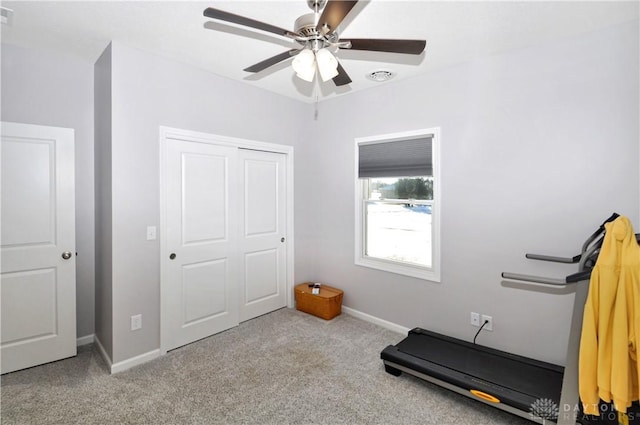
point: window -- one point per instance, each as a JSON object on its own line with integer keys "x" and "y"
{"x": 397, "y": 206}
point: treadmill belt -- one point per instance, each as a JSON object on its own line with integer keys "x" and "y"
{"x": 517, "y": 373}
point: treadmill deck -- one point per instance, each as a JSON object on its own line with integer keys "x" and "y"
{"x": 510, "y": 379}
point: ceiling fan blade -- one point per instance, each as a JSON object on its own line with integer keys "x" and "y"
{"x": 333, "y": 13}
{"x": 342, "y": 78}
{"x": 212, "y": 13}
{"x": 412, "y": 47}
{"x": 272, "y": 61}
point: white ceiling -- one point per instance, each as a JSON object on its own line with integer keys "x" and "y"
{"x": 455, "y": 31}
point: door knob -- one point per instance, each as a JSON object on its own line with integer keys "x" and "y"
{"x": 66, "y": 255}
{"x": 172, "y": 256}
{"x": 281, "y": 239}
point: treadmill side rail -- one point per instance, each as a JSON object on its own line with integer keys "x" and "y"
{"x": 535, "y": 279}
{"x": 566, "y": 260}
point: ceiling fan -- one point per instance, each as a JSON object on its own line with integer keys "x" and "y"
{"x": 316, "y": 33}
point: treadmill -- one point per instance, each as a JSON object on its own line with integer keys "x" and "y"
{"x": 542, "y": 392}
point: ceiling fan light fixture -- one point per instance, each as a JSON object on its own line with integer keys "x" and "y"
{"x": 304, "y": 64}
{"x": 307, "y": 75}
{"x": 327, "y": 64}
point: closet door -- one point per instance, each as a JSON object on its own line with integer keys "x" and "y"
{"x": 199, "y": 297}
{"x": 263, "y": 238}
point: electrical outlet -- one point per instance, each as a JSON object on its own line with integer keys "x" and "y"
{"x": 489, "y": 320}
{"x": 475, "y": 319}
{"x": 6, "y": 16}
{"x": 136, "y": 322}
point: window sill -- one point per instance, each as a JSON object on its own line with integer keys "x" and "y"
{"x": 397, "y": 268}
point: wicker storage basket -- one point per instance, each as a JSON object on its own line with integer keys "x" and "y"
{"x": 327, "y": 304}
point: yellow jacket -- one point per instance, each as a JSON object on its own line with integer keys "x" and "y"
{"x": 608, "y": 367}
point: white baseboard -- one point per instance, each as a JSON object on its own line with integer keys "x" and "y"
{"x": 102, "y": 351}
{"x": 135, "y": 361}
{"x": 125, "y": 364}
{"x": 375, "y": 320}
{"x": 154, "y": 354}
{"x": 84, "y": 340}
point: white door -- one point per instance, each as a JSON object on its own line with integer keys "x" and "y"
{"x": 263, "y": 233}
{"x": 37, "y": 285}
{"x": 201, "y": 264}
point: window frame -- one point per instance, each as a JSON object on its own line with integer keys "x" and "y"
{"x": 361, "y": 259}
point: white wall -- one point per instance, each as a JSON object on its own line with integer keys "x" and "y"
{"x": 103, "y": 202}
{"x": 149, "y": 92}
{"x": 539, "y": 146}
{"x": 48, "y": 89}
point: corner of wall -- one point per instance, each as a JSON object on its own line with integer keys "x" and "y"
{"x": 103, "y": 228}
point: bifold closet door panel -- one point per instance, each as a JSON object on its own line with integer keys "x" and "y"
{"x": 201, "y": 268}
{"x": 263, "y": 239}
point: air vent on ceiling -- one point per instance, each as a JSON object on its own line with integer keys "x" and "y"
{"x": 381, "y": 75}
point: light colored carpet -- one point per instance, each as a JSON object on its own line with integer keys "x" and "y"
{"x": 286, "y": 367}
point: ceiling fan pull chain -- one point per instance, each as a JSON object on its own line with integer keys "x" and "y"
{"x": 316, "y": 89}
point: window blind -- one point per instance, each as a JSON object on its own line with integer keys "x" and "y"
{"x": 401, "y": 158}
